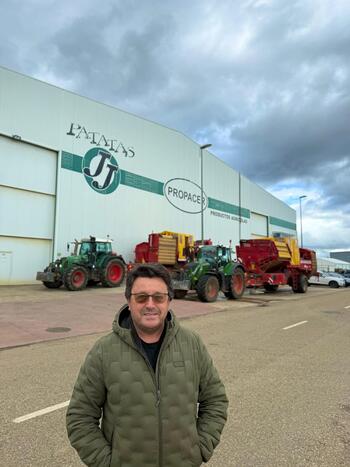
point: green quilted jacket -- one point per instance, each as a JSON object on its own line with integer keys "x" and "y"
{"x": 172, "y": 417}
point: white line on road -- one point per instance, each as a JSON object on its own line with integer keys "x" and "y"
{"x": 293, "y": 325}
{"x": 347, "y": 306}
{"x": 38, "y": 413}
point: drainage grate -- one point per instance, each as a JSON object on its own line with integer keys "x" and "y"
{"x": 58, "y": 329}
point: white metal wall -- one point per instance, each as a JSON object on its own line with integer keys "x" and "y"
{"x": 27, "y": 209}
{"x": 259, "y": 225}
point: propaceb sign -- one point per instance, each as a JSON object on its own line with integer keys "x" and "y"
{"x": 185, "y": 195}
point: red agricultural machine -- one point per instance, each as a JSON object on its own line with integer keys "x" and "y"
{"x": 270, "y": 262}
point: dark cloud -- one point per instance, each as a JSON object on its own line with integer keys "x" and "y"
{"x": 109, "y": 66}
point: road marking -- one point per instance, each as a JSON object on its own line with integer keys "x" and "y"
{"x": 293, "y": 325}
{"x": 38, "y": 413}
{"x": 347, "y": 306}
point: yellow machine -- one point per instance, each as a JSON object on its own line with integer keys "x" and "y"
{"x": 168, "y": 248}
{"x": 287, "y": 249}
{"x": 185, "y": 243}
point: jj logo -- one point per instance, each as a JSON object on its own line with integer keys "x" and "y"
{"x": 101, "y": 171}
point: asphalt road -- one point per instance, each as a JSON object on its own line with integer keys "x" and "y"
{"x": 288, "y": 388}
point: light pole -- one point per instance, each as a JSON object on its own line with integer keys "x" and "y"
{"x": 205, "y": 146}
{"x": 301, "y": 220}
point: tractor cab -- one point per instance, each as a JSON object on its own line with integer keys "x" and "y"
{"x": 224, "y": 255}
{"x": 215, "y": 255}
{"x": 91, "y": 246}
{"x": 207, "y": 254}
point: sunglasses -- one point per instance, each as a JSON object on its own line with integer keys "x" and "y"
{"x": 157, "y": 297}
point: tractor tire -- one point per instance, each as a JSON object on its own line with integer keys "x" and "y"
{"x": 270, "y": 287}
{"x": 53, "y": 285}
{"x": 237, "y": 284}
{"x": 333, "y": 284}
{"x": 180, "y": 294}
{"x": 208, "y": 288}
{"x": 76, "y": 279}
{"x": 302, "y": 284}
{"x": 113, "y": 274}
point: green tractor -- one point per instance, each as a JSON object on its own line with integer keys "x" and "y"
{"x": 213, "y": 270}
{"x": 92, "y": 262}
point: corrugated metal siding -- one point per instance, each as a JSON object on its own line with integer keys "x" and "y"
{"x": 259, "y": 225}
{"x": 27, "y": 209}
{"x": 21, "y": 258}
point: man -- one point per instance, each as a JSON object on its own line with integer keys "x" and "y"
{"x": 152, "y": 383}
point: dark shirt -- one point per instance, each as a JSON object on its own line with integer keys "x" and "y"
{"x": 152, "y": 350}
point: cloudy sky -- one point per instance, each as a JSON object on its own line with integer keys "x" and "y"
{"x": 267, "y": 82}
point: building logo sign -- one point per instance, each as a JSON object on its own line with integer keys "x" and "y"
{"x": 99, "y": 139}
{"x": 185, "y": 195}
{"x": 101, "y": 171}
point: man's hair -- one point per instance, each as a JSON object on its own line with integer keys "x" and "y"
{"x": 150, "y": 271}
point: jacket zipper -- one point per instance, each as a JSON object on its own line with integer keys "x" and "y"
{"x": 165, "y": 342}
{"x": 155, "y": 377}
{"x": 160, "y": 450}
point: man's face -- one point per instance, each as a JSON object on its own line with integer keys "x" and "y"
{"x": 148, "y": 317}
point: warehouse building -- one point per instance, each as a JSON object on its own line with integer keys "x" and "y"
{"x": 342, "y": 255}
{"x": 332, "y": 265}
{"x": 72, "y": 167}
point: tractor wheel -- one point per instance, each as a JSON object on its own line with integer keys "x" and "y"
{"x": 53, "y": 285}
{"x": 302, "y": 284}
{"x": 208, "y": 288}
{"x": 179, "y": 294}
{"x": 270, "y": 287}
{"x": 76, "y": 278}
{"x": 113, "y": 274}
{"x": 237, "y": 284}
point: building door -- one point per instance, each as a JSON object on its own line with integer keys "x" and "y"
{"x": 27, "y": 209}
{"x": 259, "y": 225}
